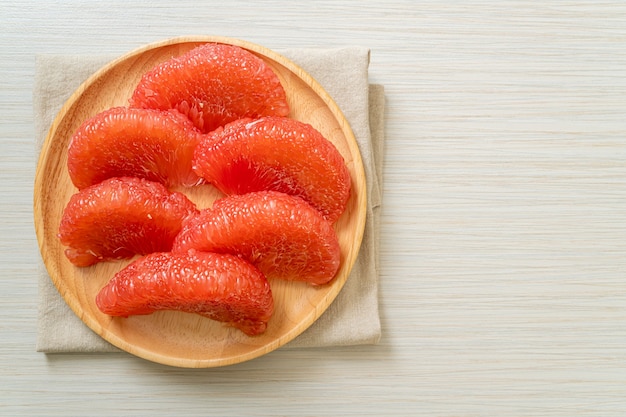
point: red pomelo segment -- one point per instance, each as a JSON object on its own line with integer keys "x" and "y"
{"x": 121, "y": 217}
{"x": 276, "y": 153}
{"x": 282, "y": 235}
{"x": 213, "y": 84}
{"x": 221, "y": 287}
{"x": 151, "y": 144}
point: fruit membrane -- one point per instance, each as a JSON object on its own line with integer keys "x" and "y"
{"x": 279, "y": 154}
{"x": 120, "y": 217}
{"x": 213, "y": 84}
{"x": 282, "y": 235}
{"x": 152, "y": 144}
{"x": 221, "y": 287}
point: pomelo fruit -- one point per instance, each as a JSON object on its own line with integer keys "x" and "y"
{"x": 282, "y": 235}
{"x": 120, "y": 217}
{"x": 213, "y": 84}
{"x": 146, "y": 143}
{"x": 279, "y": 154}
{"x": 221, "y": 287}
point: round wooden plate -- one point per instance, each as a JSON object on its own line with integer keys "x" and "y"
{"x": 169, "y": 337}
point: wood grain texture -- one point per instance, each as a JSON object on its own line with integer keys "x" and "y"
{"x": 503, "y": 219}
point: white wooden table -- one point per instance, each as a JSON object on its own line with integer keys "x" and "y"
{"x": 503, "y": 248}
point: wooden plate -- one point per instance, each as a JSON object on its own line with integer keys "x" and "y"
{"x": 175, "y": 338}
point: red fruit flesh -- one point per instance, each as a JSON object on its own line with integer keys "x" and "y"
{"x": 279, "y": 154}
{"x": 282, "y": 235}
{"x": 220, "y": 287}
{"x": 151, "y": 144}
{"x": 213, "y": 84}
{"x": 120, "y": 217}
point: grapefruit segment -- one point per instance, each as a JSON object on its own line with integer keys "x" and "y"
{"x": 281, "y": 234}
{"x": 279, "y": 154}
{"x": 120, "y": 217}
{"x": 151, "y": 144}
{"x": 221, "y": 287}
{"x": 213, "y": 84}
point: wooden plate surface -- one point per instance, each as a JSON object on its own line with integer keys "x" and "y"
{"x": 169, "y": 337}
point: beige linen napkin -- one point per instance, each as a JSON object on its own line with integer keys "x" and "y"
{"x": 353, "y": 318}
